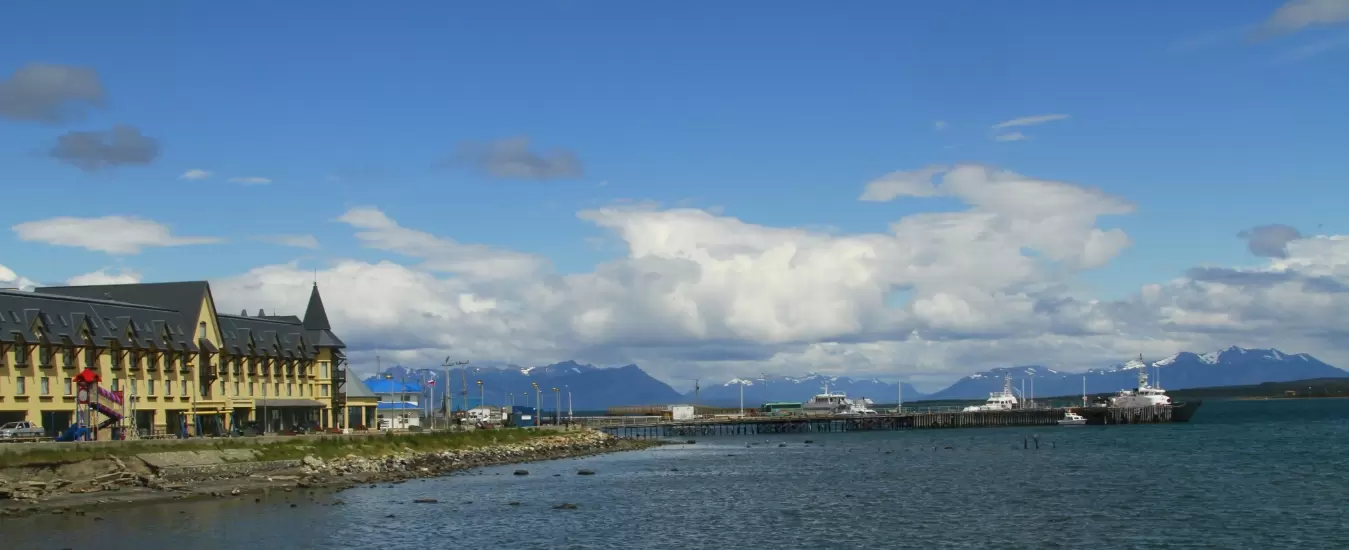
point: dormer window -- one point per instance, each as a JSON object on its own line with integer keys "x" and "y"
{"x": 44, "y": 356}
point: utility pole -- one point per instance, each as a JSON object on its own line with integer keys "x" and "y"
{"x": 445, "y": 397}
{"x": 557, "y": 407}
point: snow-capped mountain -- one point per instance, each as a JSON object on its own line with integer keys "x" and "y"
{"x": 797, "y": 390}
{"x": 1233, "y": 366}
{"x": 591, "y": 387}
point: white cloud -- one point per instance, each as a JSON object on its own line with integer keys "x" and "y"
{"x": 939, "y": 125}
{"x": 110, "y": 234}
{"x": 936, "y": 295}
{"x": 105, "y": 277}
{"x": 251, "y": 180}
{"x": 10, "y": 279}
{"x": 1028, "y": 121}
{"x": 1014, "y": 136}
{"x": 298, "y": 241}
{"x": 195, "y": 174}
{"x": 1297, "y": 15}
{"x": 698, "y": 290}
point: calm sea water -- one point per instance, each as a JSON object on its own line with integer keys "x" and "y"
{"x": 1241, "y": 475}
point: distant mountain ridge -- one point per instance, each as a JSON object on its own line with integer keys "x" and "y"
{"x": 590, "y": 387}
{"x": 1233, "y": 366}
{"x": 597, "y": 388}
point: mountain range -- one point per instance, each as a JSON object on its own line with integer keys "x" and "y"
{"x": 596, "y": 388}
{"x": 1233, "y": 366}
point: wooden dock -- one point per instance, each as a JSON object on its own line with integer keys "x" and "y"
{"x": 757, "y": 425}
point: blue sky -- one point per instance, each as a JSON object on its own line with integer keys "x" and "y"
{"x": 776, "y": 113}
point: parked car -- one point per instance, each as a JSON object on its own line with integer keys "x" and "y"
{"x": 21, "y": 429}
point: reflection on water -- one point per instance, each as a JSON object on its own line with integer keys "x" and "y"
{"x": 1243, "y": 475}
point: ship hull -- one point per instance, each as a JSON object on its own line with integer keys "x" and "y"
{"x": 1184, "y": 410}
{"x": 1179, "y": 412}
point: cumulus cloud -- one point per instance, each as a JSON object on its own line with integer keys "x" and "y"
{"x": 110, "y": 234}
{"x": 97, "y": 150}
{"x": 698, "y": 293}
{"x": 512, "y": 158}
{"x": 1028, "y": 121}
{"x": 105, "y": 277}
{"x": 1270, "y": 241}
{"x": 195, "y": 174}
{"x": 298, "y": 241}
{"x": 47, "y": 93}
{"x": 697, "y": 290}
{"x": 1297, "y": 15}
{"x": 11, "y": 280}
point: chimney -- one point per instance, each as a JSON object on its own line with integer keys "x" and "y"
{"x": 260, "y": 313}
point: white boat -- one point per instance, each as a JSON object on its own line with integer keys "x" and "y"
{"x": 830, "y": 403}
{"x": 1071, "y": 418}
{"x": 1143, "y": 396}
{"x": 1004, "y": 400}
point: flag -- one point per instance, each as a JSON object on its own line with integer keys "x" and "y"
{"x": 432, "y": 382}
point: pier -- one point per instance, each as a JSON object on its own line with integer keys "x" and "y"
{"x": 651, "y": 427}
{"x": 757, "y": 425}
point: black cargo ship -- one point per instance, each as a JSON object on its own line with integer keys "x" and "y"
{"x": 1160, "y": 414}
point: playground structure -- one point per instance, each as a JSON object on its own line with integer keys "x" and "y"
{"x": 90, "y": 397}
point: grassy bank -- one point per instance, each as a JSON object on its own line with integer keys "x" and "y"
{"x": 292, "y": 448}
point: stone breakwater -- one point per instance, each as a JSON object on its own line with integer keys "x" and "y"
{"x": 421, "y": 464}
{"x": 157, "y": 477}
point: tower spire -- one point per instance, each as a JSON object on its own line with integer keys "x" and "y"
{"x": 315, "y": 316}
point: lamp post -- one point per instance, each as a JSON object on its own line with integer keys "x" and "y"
{"x": 538, "y": 396}
{"x": 389, "y": 377}
{"x": 482, "y": 395}
{"x": 569, "y": 416}
{"x": 557, "y": 407}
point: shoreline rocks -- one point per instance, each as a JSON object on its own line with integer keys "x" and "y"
{"x": 116, "y": 483}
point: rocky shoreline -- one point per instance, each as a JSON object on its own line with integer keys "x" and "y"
{"x": 114, "y": 482}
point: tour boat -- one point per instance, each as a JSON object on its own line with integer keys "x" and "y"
{"x": 1004, "y": 400}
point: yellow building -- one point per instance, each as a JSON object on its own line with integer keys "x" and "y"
{"x": 179, "y": 366}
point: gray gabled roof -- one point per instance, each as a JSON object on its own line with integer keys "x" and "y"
{"x": 183, "y": 297}
{"x": 265, "y": 331}
{"x": 356, "y": 388}
{"x": 66, "y": 316}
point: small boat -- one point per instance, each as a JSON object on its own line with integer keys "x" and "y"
{"x": 1071, "y": 418}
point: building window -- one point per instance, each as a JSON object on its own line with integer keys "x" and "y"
{"x": 168, "y": 388}
{"x": 90, "y": 357}
{"x": 20, "y": 386}
{"x": 150, "y": 388}
{"x": 201, "y": 330}
{"x": 250, "y": 388}
{"x": 223, "y": 390}
{"x": 277, "y": 389}
{"x": 323, "y": 370}
{"x": 46, "y": 385}
{"x": 236, "y": 388}
{"x": 69, "y": 390}
{"x": 20, "y": 355}
{"x": 323, "y": 390}
{"x": 264, "y": 389}
{"x": 290, "y": 390}
{"x": 116, "y": 384}
{"x": 44, "y": 356}
{"x": 68, "y": 357}
{"x": 186, "y": 393}
{"x": 115, "y": 356}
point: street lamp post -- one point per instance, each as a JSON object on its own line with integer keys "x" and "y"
{"x": 482, "y": 395}
{"x": 557, "y": 407}
{"x": 569, "y": 415}
{"x": 538, "y": 396}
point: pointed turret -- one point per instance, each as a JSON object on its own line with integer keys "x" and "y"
{"x": 315, "y": 317}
